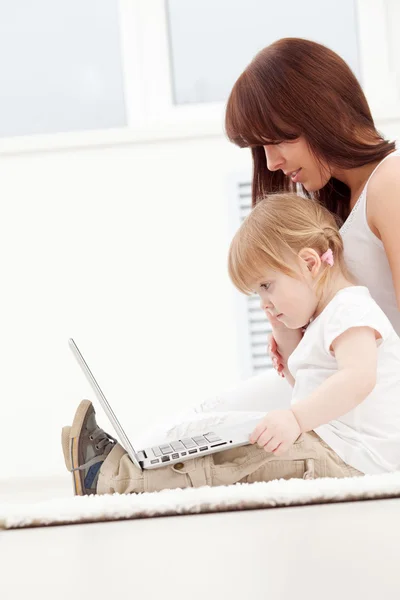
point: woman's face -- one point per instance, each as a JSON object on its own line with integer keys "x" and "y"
{"x": 298, "y": 163}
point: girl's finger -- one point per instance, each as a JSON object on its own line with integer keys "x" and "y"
{"x": 264, "y": 439}
{"x": 272, "y": 445}
{"x": 256, "y": 433}
{"x": 276, "y": 355}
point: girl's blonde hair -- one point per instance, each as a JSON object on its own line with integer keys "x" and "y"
{"x": 281, "y": 225}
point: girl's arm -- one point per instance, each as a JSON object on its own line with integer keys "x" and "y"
{"x": 286, "y": 341}
{"x": 356, "y": 354}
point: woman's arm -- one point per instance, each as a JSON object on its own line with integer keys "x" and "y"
{"x": 356, "y": 354}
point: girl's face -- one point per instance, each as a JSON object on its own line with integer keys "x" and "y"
{"x": 298, "y": 163}
{"x": 292, "y": 301}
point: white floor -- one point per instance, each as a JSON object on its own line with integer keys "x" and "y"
{"x": 23, "y": 490}
{"x": 330, "y": 552}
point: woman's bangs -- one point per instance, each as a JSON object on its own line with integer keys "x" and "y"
{"x": 249, "y": 123}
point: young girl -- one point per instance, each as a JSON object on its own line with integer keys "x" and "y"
{"x": 345, "y": 370}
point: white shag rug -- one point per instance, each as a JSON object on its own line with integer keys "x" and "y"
{"x": 273, "y": 494}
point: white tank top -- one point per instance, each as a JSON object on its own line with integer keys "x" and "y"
{"x": 366, "y": 258}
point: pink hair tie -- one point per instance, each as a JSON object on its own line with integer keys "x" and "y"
{"x": 328, "y": 257}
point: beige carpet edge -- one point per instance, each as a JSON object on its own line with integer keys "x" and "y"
{"x": 273, "y": 494}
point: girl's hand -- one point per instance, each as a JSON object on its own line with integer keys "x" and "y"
{"x": 284, "y": 338}
{"x": 275, "y": 356}
{"x": 277, "y": 360}
{"x": 277, "y": 431}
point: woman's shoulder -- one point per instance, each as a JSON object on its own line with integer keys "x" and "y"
{"x": 384, "y": 189}
{"x": 386, "y": 175}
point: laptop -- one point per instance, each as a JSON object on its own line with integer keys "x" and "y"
{"x": 169, "y": 453}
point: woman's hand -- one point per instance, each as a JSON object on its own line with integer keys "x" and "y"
{"x": 277, "y": 431}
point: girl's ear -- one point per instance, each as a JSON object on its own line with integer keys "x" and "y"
{"x": 311, "y": 260}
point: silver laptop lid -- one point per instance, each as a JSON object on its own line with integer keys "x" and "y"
{"x": 104, "y": 403}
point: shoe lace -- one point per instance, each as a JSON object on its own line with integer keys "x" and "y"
{"x": 104, "y": 442}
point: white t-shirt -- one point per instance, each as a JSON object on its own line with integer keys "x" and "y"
{"x": 367, "y": 437}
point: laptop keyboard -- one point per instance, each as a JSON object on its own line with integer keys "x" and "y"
{"x": 185, "y": 446}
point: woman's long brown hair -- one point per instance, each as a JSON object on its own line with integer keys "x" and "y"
{"x": 298, "y": 87}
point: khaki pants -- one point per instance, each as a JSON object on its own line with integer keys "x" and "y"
{"x": 309, "y": 457}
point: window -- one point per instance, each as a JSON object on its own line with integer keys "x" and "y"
{"x": 252, "y": 325}
{"x": 60, "y": 66}
{"x": 212, "y": 42}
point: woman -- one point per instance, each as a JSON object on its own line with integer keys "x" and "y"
{"x": 303, "y": 114}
